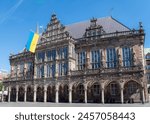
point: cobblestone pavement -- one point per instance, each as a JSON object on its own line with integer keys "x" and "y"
{"x": 38, "y": 104}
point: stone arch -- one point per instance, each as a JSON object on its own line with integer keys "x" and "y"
{"x": 61, "y": 97}
{"x": 112, "y": 92}
{"x": 64, "y": 93}
{"x": 94, "y": 93}
{"x": 40, "y": 94}
{"x": 132, "y": 92}
{"x": 13, "y": 94}
{"x": 78, "y": 93}
{"x": 53, "y": 93}
{"x": 21, "y": 92}
{"x": 49, "y": 93}
{"x": 133, "y": 81}
{"x": 30, "y": 93}
{"x": 106, "y": 83}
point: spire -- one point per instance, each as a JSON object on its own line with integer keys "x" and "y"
{"x": 140, "y": 25}
{"x": 37, "y": 28}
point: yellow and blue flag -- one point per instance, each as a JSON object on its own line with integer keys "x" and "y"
{"x": 32, "y": 42}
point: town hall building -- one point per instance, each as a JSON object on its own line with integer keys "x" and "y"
{"x": 95, "y": 61}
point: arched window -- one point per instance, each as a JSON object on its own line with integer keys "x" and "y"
{"x": 127, "y": 57}
{"x": 81, "y": 89}
{"x": 96, "y": 89}
{"x": 81, "y": 60}
{"x": 113, "y": 89}
{"x": 48, "y": 70}
{"x": 95, "y": 54}
{"x": 111, "y": 58}
{"x": 49, "y": 55}
{"x": 132, "y": 87}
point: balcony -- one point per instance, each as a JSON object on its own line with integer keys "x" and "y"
{"x": 21, "y": 77}
{"x": 106, "y": 70}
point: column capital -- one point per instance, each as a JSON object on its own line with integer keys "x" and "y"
{"x": 85, "y": 86}
{"x": 25, "y": 88}
{"x": 45, "y": 88}
{"x": 57, "y": 86}
{"x": 35, "y": 88}
{"x": 17, "y": 88}
{"x": 102, "y": 86}
{"x": 121, "y": 85}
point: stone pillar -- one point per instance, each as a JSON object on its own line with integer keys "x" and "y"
{"x": 134, "y": 61}
{"x": 2, "y": 98}
{"x": 103, "y": 61}
{"x": 45, "y": 70}
{"x": 57, "y": 64}
{"x": 143, "y": 95}
{"x": 45, "y": 93}
{"x": 35, "y": 71}
{"x": 122, "y": 97}
{"x": 69, "y": 56}
{"x": 57, "y": 94}
{"x": 17, "y": 90}
{"x": 69, "y": 67}
{"x": 103, "y": 96}
{"x": 121, "y": 92}
{"x": 120, "y": 58}
{"x": 85, "y": 93}
{"x": 9, "y": 92}
{"x": 88, "y": 66}
{"x": 25, "y": 93}
{"x": 34, "y": 100}
{"x": 70, "y": 94}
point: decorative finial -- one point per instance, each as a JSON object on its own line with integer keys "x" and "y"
{"x": 140, "y": 25}
{"x": 93, "y": 21}
{"x": 53, "y": 17}
{"x": 37, "y": 28}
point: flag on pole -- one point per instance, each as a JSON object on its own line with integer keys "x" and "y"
{"x": 32, "y": 42}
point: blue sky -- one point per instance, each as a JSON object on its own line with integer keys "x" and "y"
{"x": 18, "y": 17}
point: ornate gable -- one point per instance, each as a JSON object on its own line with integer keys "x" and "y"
{"x": 55, "y": 31}
{"x": 94, "y": 29}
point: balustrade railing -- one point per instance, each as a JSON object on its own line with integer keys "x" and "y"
{"x": 114, "y": 34}
{"x": 106, "y": 70}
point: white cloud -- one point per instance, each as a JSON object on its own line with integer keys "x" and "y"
{"x": 7, "y": 14}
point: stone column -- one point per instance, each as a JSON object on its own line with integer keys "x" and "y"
{"x": 57, "y": 94}
{"x": 57, "y": 64}
{"x": 103, "y": 61}
{"x": 69, "y": 67}
{"x": 88, "y": 58}
{"x": 34, "y": 100}
{"x": 17, "y": 90}
{"x": 143, "y": 95}
{"x": 25, "y": 93}
{"x": 35, "y": 71}
{"x": 45, "y": 70}
{"x": 120, "y": 58}
{"x": 121, "y": 92}
{"x": 103, "y": 96}
{"x": 45, "y": 93}
{"x": 69, "y": 56}
{"x": 2, "y": 98}
{"x": 70, "y": 94}
{"x": 85, "y": 93}
{"x": 134, "y": 61}
{"x": 9, "y": 92}
{"x": 122, "y": 97}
